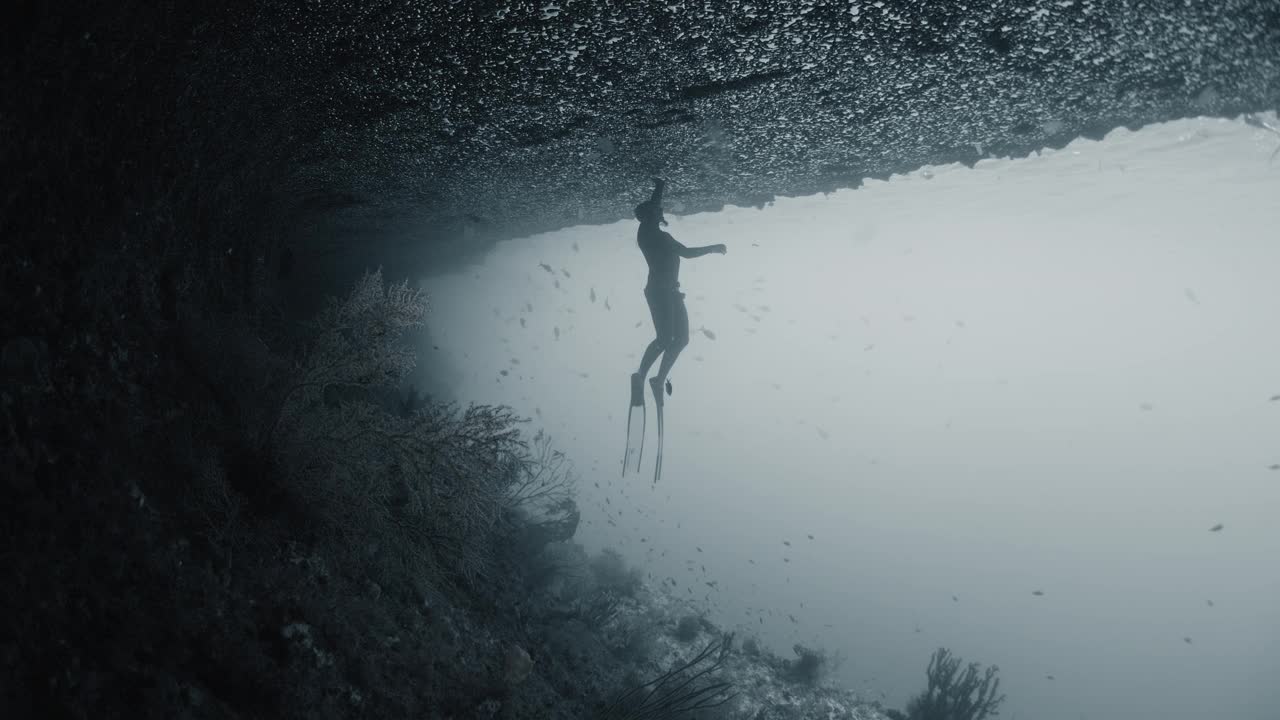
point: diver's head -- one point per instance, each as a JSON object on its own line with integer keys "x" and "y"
{"x": 650, "y": 212}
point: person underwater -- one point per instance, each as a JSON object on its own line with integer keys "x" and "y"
{"x": 670, "y": 320}
{"x": 662, "y": 291}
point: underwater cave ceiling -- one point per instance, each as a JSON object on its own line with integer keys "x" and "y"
{"x": 497, "y": 119}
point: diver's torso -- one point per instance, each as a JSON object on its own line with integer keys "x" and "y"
{"x": 659, "y": 250}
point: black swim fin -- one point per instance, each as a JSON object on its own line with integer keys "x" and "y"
{"x": 635, "y": 427}
{"x": 657, "y": 464}
{"x": 657, "y": 396}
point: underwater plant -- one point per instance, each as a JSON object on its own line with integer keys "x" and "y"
{"x": 956, "y": 695}
{"x": 683, "y": 689}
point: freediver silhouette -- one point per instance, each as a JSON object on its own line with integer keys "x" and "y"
{"x": 662, "y": 253}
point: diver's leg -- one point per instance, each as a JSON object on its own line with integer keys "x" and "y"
{"x": 637, "y": 378}
{"x": 660, "y": 310}
{"x": 679, "y": 336}
{"x": 651, "y": 354}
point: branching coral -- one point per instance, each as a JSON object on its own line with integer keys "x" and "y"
{"x": 432, "y": 485}
{"x": 956, "y": 695}
{"x": 683, "y": 689}
{"x": 543, "y": 478}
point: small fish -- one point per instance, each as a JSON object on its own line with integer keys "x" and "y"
{"x": 668, "y": 387}
{"x": 955, "y": 599}
{"x": 557, "y": 332}
{"x": 1210, "y": 602}
{"x": 787, "y": 543}
{"x": 793, "y": 619}
{"x": 1274, "y": 398}
{"x": 710, "y": 335}
{"x": 695, "y": 547}
{"x": 1048, "y": 677}
{"x": 644, "y": 539}
{"x": 1191, "y": 295}
{"x": 786, "y": 560}
{"x": 593, "y": 295}
{"x": 557, "y": 284}
{"x": 823, "y": 434}
{"x": 1146, "y": 406}
{"x": 522, "y": 323}
{"x": 1038, "y": 593}
{"x": 1274, "y": 466}
{"x": 753, "y": 562}
{"x": 869, "y": 347}
{"x": 810, "y": 537}
{"x": 606, "y": 304}
{"x": 546, "y": 267}
{"x": 528, "y": 306}
{"x": 1186, "y": 640}
{"x": 503, "y": 373}
{"x": 637, "y": 324}
{"x": 575, "y": 247}
{"x": 1216, "y": 528}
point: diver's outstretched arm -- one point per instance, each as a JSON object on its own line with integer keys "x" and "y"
{"x": 693, "y": 252}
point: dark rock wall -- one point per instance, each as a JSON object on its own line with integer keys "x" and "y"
{"x": 488, "y": 119}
